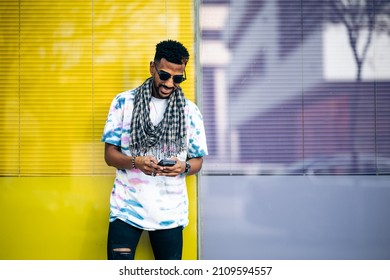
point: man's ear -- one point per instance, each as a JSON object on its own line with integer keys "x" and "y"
{"x": 151, "y": 68}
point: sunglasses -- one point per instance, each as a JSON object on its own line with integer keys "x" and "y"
{"x": 177, "y": 79}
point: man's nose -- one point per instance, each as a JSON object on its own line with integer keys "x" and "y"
{"x": 170, "y": 82}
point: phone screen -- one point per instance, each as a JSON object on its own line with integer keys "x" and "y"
{"x": 167, "y": 162}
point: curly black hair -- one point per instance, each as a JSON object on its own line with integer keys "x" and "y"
{"x": 172, "y": 51}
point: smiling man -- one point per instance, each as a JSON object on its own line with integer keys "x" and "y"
{"x": 154, "y": 137}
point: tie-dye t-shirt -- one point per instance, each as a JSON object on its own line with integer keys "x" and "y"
{"x": 144, "y": 201}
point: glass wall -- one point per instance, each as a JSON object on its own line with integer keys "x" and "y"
{"x": 296, "y": 101}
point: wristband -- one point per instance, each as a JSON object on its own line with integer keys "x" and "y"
{"x": 188, "y": 168}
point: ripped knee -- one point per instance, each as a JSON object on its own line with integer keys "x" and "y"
{"x": 122, "y": 253}
{"x": 122, "y": 250}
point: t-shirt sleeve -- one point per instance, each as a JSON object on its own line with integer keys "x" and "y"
{"x": 114, "y": 123}
{"x": 197, "y": 146}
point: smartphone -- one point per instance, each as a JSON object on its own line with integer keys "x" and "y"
{"x": 167, "y": 162}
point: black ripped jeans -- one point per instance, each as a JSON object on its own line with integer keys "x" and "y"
{"x": 123, "y": 239}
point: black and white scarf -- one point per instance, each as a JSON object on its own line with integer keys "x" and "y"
{"x": 164, "y": 140}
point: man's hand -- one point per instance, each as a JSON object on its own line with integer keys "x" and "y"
{"x": 148, "y": 165}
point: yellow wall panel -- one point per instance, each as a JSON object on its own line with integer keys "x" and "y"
{"x": 62, "y": 62}
{"x": 65, "y": 218}
{"x": 9, "y": 89}
{"x": 55, "y": 87}
{"x": 54, "y": 217}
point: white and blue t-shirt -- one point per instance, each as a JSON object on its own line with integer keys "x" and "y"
{"x": 144, "y": 201}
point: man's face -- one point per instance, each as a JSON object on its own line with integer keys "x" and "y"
{"x": 163, "y": 88}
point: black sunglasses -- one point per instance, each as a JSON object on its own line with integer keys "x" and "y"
{"x": 177, "y": 79}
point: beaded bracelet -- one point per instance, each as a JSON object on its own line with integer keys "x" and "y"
{"x": 133, "y": 162}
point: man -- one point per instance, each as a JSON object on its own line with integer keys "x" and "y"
{"x": 150, "y": 123}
